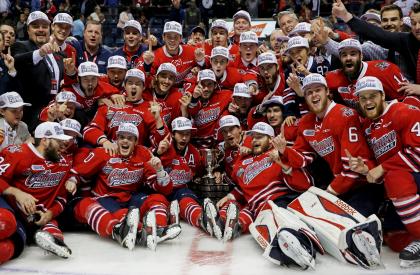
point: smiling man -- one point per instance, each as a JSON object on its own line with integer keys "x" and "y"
{"x": 61, "y": 29}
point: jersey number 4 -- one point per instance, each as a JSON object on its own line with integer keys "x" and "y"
{"x": 416, "y": 129}
{"x": 3, "y": 167}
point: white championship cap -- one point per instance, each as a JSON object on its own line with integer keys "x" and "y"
{"x": 51, "y": 130}
{"x": 228, "y": 120}
{"x": 407, "y": 21}
{"x": 206, "y": 74}
{"x": 63, "y": 18}
{"x": 72, "y": 125}
{"x": 267, "y": 58}
{"x": 167, "y": 67}
{"x": 312, "y": 79}
{"x": 241, "y": 90}
{"x": 133, "y": 24}
{"x": 37, "y": 15}
{"x": 135, "y": 73}
{"x": 301, "y": 27}
{"x": 67, "y": 96}
{"x": 349, "y": 43}
{"x": 242, "y": 14}
{"x": 368, "y": 83}
{"x": 12, "y": 100}
{"x": 220, "y": 51}
{"x": 274, "y": 100}
{"x": 219, "y": 23}
{"x": 296, "y": 42}
{"x": 248, "y": 37}
{"x": 262, "y": 128}
{"x": 128, "y": 128}
{"x": 172, "y": 26}
{"x": 88, "y": 68}
{"x": 181, "y": 124}
{"x": 371, "y": 16}
{"x": 117, "y": 61}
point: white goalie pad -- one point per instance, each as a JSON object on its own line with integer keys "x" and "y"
{"x": 344, "y": 232}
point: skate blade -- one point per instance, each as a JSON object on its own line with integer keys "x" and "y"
{"x": 133, "y": 218}
{"x": 291, "y": 246}
{"x": 409, "y": 264}
{"x": 171, "y": 233}
{"x": 174, "y": 212}
{"x": 211, "y": 214}
{"x": 46, "y": 241}
{"x": 365, "y": 243}
{"x": 151, "y": 239}
{"x": 231, "y": 215}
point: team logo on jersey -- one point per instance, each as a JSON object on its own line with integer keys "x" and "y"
{"x": 384, "y": 144}
{"x": 122, "y": 117}
{"x": 255, "y": 169}
{"x": 323, "y": 147}
{"x": 344, "y": 90}
{"x": 204, "y": 117}
{"x": 44, "y": 179}
{"x": 179, "y": 177}
{"x": 382, "y": 65}
{"x": 119, "y": 177}
{"x": 348, "y": 112}
{"x": 37, "y": 168}
{"x": 309, "y": 133}
{"x": 107, "y": 169}
{"x": 14, "y": 148}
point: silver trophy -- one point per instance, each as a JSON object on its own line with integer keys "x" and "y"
{"x": 210, "y": 162}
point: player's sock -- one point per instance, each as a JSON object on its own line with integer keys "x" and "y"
{"x": 190, "y": 211}
{"x": 161, "y": 212}
{"x": 7, "y": 248}
{"x": 53, "y": 229}
{"x": 7, "y": 223}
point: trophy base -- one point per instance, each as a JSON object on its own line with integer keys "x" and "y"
{"x": 206, "y": 187}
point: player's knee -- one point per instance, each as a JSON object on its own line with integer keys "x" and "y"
{"x": 7, "y": 249}
{"x": 82, "y": 208}
{"x": 7, "y": 223}
{"x": 157, "y": 199}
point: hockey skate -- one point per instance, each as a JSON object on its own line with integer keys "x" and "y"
{"x": 174, "y": 212}
{"x": 125, "y": 232}
{"x": 410, "y": 256}
{"x": 210, "y": 220}
{"x": 50, "y": 243}
{"x": 232, "y": 225}
{"x": 148, "y": 236}
{"x": 168, "y": 233}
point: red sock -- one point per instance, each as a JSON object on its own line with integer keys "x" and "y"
{"x": 52, "y": 228}
{"x": 397, "y": 240}
{"x": 190, "y": 211}
{"x": 7, "y": 248}
{"x": 158, "y": 203}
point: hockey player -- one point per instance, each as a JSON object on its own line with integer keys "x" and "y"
{"x": 115, "y": 71}
{"x": 241, "y": 103}
{"x": 145, "y": 115}
{"x": 246, "y": 59}
{"x": 118, "y": 196}
{"x": 393, "y": 133}
{"x": 241, "y": 23}
{"x": 61, "y": 27}
{"x": 327, "y": 131}
{"x": 259, "y": 177}
{"x": 32, "y": 181}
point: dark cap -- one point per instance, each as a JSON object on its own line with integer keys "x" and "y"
{"x": 198, "y": 29}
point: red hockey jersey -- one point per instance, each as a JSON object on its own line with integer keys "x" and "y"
{"x": 171, "y": 108}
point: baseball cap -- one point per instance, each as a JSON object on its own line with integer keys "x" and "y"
{"x": 64, "y": 18}
{"x": 172, "y": 26}
{"x": 167, "y": 67}
{"x": 241, "y": 90}
{"x": 72, "y": 125}
{"x": 262, "y": 128}
{"x": 12, "y": 100}
{"x": 219, "y": 23}
{"x": 248, "y": 37}
{"x": 371, "y": 16}
{"x": 349, "y": 43}
{"x": 301, "y": 27}
{"x": 181, "y": 124}
{"x": 274, "y": 100}
{"x": 312, "y": 79}
{"x": 51, "y": 130}
{"x": 242, "y": 14}
{"x": 128, "y": 128}
{"x": 88, "y": 68}
{"x": 37, "y": 15}
{"x": 117, "y": 61}
{"x": 407, "y": 21}
{"x": 206, "y": 74}
{"x": 220, "y": 51}
{"x": 296, "y": 42}
{"x": 198, "y": 29}
{"x": 64, "y": 96}
{"x": 368, "y": 83}
{"x": 267, "y": 58}
{"x": 228, "y": 120}
{"x": 135, "y": 73}
{"x": 134, "y": 24}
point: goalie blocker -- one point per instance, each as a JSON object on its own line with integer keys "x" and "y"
{"x": 344, "y": 233}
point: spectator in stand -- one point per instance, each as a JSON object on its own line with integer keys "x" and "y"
{"x": 125, "y": 16}
{"x": 7, "y": 69}
{"x": 112, "y": 6}
{"x": 198, "y": 35}
{"x": 192, "y": 16}
{"x": 176, "y": 12}
{"x": 9, "y": 35}
{"x": 97, "y": 15}
{"x": 78, "y": 26}
{"x": 405, "y": 5}
{"x": 21, "y": 28}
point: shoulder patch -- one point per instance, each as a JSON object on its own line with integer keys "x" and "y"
{"x": 348, "y": 112}
{"x": 37, "y": 167}
{"x": 115, "y": 160}
{"x": 14, "y": 148}
{"x": 382, "y": 65}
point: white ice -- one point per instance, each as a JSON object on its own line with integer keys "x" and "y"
{"x": 193, "y": 252}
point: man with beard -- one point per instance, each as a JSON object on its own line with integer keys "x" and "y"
{"x": 61, "y": 29}
{"x": 39, "y": 67}
{"x": 89, "y": 91}
{"x": 118, "y": 197}
{"x": 392, "y": 130}
{"x": 207, "y": 106}
{"x": 258, "y": 178}
{"x": 145, "y": 115}
{"x": 115, "y": 71}
{"x": 32, "y": 183}
{"x": 271, "y": 76}
{"x": 342, "y": 82}
{"x": 241, "y": 103}
{"x": 9, "y": 36}
{"x": 326, "y": 131}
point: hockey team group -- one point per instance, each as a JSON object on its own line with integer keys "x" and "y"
{"x": 317, "y": 138}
